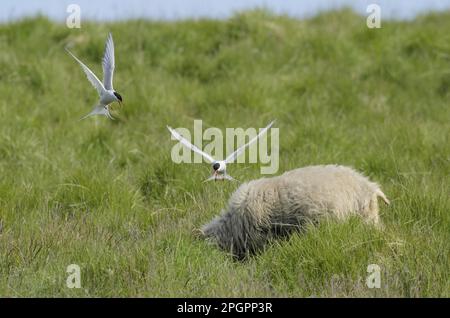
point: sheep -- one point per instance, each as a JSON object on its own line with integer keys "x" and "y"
{"x": 274, "y": 207}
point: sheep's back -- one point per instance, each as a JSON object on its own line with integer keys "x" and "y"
{"x": 313, "y": 191}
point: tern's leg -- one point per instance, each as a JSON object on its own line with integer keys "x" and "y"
{"x": 108, "y": 113}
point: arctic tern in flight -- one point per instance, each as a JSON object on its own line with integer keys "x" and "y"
{"x": 105, "y": 90}
{"x": 219, "y": 166}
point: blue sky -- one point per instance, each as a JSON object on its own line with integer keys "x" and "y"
{"x": 181, "y": 9}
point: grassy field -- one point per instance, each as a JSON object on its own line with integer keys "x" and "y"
{"x": 105, "y": 194}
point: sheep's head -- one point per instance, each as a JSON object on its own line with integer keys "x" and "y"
{"x": 232, "y": 233}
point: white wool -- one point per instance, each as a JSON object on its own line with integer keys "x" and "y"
{"x": 272, "y": 207}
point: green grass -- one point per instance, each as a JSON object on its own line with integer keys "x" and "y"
{"x": 106, "y": 196}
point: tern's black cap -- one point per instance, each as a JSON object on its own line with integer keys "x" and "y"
{"x": 216, "y": 166}
{"x": 118, "y": 96}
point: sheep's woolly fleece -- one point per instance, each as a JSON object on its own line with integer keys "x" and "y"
{"x": 273, "y": 207}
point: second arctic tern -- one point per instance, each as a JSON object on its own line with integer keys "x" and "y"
{"x": 105, "y": 90}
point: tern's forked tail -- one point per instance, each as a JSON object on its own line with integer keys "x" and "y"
{"x": 220, "y": 177}
{"x": 99, "y": 110}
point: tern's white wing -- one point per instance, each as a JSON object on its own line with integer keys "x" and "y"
{"x": 189, "y": 145}
{"x": 235, "y": 154}
{"x": 90, "y": 75}
{"x": 108, "y": 63}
